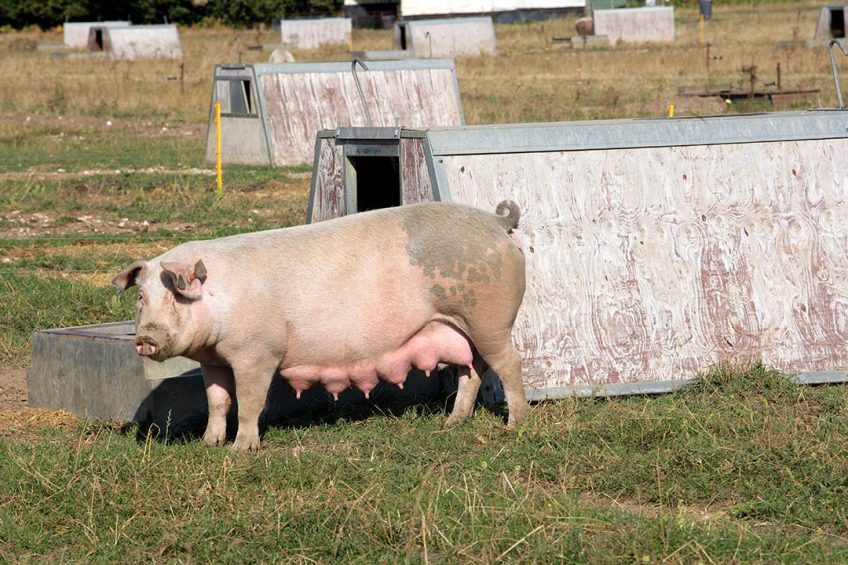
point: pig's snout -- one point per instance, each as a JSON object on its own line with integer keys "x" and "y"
{"x": 146, "y": 346}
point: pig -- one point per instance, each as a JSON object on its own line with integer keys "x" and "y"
{"x": 339, "y": 304}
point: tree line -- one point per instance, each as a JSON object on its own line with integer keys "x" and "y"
{"x": 244, "y": 13}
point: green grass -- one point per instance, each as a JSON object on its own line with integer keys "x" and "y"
{"x": 700, "y": 475}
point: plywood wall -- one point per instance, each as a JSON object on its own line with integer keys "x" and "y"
{"x": 312, "y": 33}
{"x": 298, "y": 105}
{"x": 635, "y": 25}
{"x": 651, "y": 264}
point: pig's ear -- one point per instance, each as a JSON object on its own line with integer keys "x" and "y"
{"x": 126, "y": 278}
{"x": 186, "y": 278}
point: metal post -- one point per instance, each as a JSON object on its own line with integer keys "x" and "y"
{"x": 835, "y": 73}
{"x": 220, "y": 178}
{"x": 353, "y": 64}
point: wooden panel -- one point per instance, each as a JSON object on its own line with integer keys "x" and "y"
{"x": 468, "y": 37}
{"x": 414, "y": 176}
{"x": 329, "y": 199}
{"x": 635, "y": 24}
{"x": 298, "y": 105}
{"x": 651, "y": 264}
{"x": 312, "y": 33}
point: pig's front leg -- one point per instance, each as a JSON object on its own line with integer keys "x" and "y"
{"x": 252, "y": 383}
{"x": 219, "y": 392}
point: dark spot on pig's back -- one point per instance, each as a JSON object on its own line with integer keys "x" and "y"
{"x": 459, "y": 244}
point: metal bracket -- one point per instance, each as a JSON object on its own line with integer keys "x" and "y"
{"x": 833, "y": 65}
{"x": 359, "y": 87}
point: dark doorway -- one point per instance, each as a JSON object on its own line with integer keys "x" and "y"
{"x": 98, "y": 39}
{"x": 837, "y": 22}
{"x": 377, "y": 182}
{"x": 241, "y": 103}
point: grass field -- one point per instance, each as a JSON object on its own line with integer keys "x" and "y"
{"x": 101, "y": 162}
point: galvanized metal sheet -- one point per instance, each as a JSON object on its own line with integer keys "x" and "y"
{"x": 635, "y": 25}
{"x": 623, "y": 134}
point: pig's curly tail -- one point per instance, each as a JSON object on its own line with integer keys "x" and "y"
{"x": 510, "y": 220}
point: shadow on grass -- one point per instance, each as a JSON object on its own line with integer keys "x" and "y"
{"x": 317, "y": 408}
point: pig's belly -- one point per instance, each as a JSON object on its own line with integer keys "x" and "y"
{"x": 435, "y": 343}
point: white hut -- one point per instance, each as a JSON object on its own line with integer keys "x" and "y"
{"x": 270, "y": 113}
{"x": 446, "y": 37}
{"x": 75, "y": 34}
{"x": 137, "y": 42}
{"x": 635, "y": 25}
{"x": 831, "y": 23}
{"x": 312, "y": 33}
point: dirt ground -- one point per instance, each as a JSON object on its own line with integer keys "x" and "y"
{"x": 13, "y": 389}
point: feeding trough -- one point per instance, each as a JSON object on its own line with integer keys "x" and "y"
{"x": 635, "y": 25}
{"x": 270, "y": 113}
{"x": 654, "y": 248}
{"x": 315, "y": 32}
{"x": 446, "y": 37}
{"x": 95, "y": 373}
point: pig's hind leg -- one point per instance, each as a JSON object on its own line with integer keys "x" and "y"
{"x": 219, "y": 391}
{"x": 466, "y": 394}
{"x": 505, "y": 361}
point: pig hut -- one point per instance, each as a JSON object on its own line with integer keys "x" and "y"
{"x": 270, "y": 113}
{"x": 75, "y": 34}
{"x": 635, "y": 25}
{"x": 654, "y": 247}
{"x": 450, "y": 37}
{"x": 136, "y": 42}
{"x": 831, "y": 23}
{"x": 312, "y": 33}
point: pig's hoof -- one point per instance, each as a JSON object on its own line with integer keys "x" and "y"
{"x": 244, "y": 443}
{"x": 517, "y": 417}
{"x": 214, "y": 439}
{"x": 455, "y": 419}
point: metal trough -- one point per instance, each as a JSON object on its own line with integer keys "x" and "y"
{"x": 94, "y": 373}
{"x": 654, "y": 248}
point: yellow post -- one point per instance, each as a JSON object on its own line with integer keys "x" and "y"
{"x": 671, "y": 110}
{"x": 701, "y": 30}
{"x": 220, "y": 190}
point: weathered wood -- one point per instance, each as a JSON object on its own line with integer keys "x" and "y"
{"x": 414, "y": 176}
{"x": 298, "y": 105}
{"x": 635, "y": 25}
{"x": 448, "y": 37}
{"x": 650, "y": 264}
{"x": 315, "y": 32}
{"x": 329, "y": 202}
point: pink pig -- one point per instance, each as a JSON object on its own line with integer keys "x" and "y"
{"x": 340, "y": 303}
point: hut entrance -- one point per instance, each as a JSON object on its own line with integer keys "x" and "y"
{"x": 377, "y": 182}
{"x": 837, "y": 22}
{"x": 98, "y": 39}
